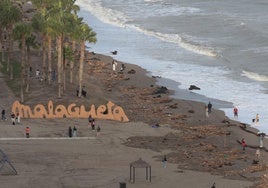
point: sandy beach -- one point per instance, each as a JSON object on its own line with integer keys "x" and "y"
{"x": 94, "y": 162}
{"x": 200, "y": 150}
{"x": 188, "y": 138}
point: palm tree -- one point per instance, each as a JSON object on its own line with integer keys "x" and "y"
{"x": 9, "y": 15}
{"x": 40, "y": 25}
{"x": 61, "y": 20}
{"x": 74, "y": 35}
{"x": 1, "y": 32}
{"x": 21, "y": 32}
{"x": 30, "y": 43}
{"x": 67, "y": 56}
{"x": 86, "y": 34}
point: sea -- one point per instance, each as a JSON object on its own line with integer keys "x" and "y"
{"x": 219, "y": 46}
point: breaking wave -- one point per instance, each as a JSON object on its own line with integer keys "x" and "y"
{"x": 119, "y": 19}
{"x": 255, "y": 76}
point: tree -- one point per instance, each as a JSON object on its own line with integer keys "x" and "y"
{"x": 9, "y": 15}
{"x": 74, "y": 36}
{"x": 41, "y": 24}
{"x": 21, "y": 32}
{"x": 61, "y": 19}
{"x": 30, "y": 43}
{"x": 86, "y": 35}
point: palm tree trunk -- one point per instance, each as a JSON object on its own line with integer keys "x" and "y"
{"x": 64, "y": 67}
{"x": 44, "y": 55}
{"x": 49, "y": 59}
{"x": 72, "y": 62}
{"x": 28, "y": 69}
{"x": 10, "y": 64}
{"x": 22, "y": 73}
{"x": 81, "y": 66}
{"x": 1, "y": 47}
{"x": 59, "y": 64}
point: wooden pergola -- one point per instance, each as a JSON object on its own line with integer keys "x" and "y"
{"x": 139, "y": 164}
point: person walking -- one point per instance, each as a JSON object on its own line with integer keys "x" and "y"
{"x": 27, "y": 132}
{"x": 235, "y": 112}
{"x": 4, "y": 115}
{"x": 209, "y": 107}
{"x": 261, "y": 137}
{"x": 243, "y": 143}
{"x": 18, "y": 118}
{"x": 93, "y": 124}
{"x": 206, "y": 111}
{"x": 114, "y": 65}
{"x": 258, "y": 154}
{"x": 70, "y": 132}
{"x": 13, "y": 121}
{"x": 74, "y": 132}
{"x": 214, "y": 185}
{"x": 98, "y": 131}
{"x": 164, "y": 161}
{"x": 257, "y": 119}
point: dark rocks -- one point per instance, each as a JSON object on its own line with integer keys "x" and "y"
{"x": 161, "y": 90}
{"x": 193, "y": 87}
{"x": 132, "y": 71}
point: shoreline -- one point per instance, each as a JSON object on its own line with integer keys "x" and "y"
{"x": 200, "y": 150}
{"x": 126, "y": 52}
{"x": 136, "y": 87}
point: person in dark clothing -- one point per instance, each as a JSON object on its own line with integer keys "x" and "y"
{"x": 93, "y": 124}
{"x": 98, "y": 130}
{"x": 214, "y": 185}
{"x": 70, "y": 132}
{"x": 4, "y": 115}
{"x": 90, "y": 118}
{"x": 209, "y": 107}
{"x": 122, "y": 67}
{"x": 13, "y": 118}
{"x": 164, "y": 162}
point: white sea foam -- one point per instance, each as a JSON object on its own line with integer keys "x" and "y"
{"x": 144, "y": 49}
{"x": 255, "y": 76}
{"x": 117, "y": 18}
{"x": 106, "y": 15}
{"x": 257, "y": 50}
{"x": 170, "y": 10}
{"x": 188, "y": 45}
{"x": 215, "y": 84}
{"x": 152, "y": 1}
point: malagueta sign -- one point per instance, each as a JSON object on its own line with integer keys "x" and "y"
{"x": 109, "y": 111}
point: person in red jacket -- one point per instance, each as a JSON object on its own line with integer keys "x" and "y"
{"x": 27, "y": 131}
{"x": 243, "y": 143}
{"x": 235, "y": 112}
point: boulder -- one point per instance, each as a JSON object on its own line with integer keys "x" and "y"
{"x": 193, "y": 87}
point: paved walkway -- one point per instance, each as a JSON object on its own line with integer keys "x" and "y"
{"x": 49, "y": 138}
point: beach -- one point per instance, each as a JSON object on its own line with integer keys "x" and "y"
{"x": 200, "y": 149}
{"x": 217, "y": 46}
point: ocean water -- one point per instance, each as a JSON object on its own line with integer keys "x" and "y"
{"x": 219, "y": 46}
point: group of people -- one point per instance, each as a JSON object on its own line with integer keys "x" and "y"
{"x": 15, "y": 118}
{"x": 208, "y": 108}
{"x": 72, "y": 132}
{"x": 114, "y": 66}
{"x": 91, "y": 123}
{"x": 258, "y": 153}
